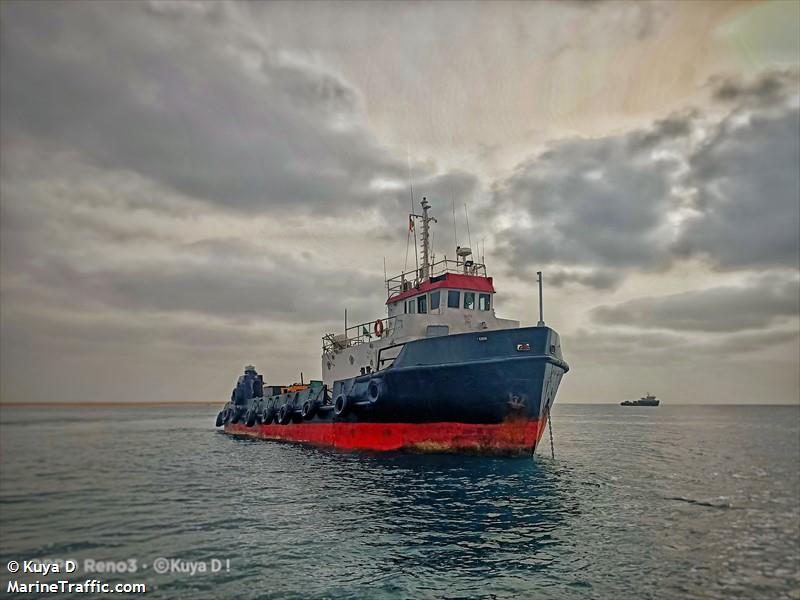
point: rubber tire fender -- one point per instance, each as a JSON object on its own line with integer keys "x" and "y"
{"x": 341, "y": 406}
{"x": 285, "y": 414}
{"x": 220, "y": 419}
{"x": 250, "y": 418}
{"x": 309, "y": 410}
{"x": 375, "y": 390}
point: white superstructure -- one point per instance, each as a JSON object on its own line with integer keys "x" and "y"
{"x": 440, "y": 298}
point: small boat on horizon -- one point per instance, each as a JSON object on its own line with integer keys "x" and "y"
{"x": 648, "y": 400}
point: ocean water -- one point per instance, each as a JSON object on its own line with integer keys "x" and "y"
{"x": 671, "y": 502}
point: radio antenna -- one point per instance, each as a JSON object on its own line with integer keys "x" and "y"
{"x": 410, "y": 222}
{"x": 466, "y": 215}
{"x": 386, "y": 279}
{"x": 408, "y": 241}
{"x": 455, "y": 230}
{"x": 411, "y": 216}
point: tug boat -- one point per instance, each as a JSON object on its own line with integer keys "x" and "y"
{"x": 647, "y": 400}
{"x": 440, "y": 373}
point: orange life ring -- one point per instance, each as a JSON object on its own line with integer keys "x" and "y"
{"x": 378, "y": 328}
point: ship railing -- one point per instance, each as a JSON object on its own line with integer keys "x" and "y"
{"x": 358, "y": 334}
{"x": 382, "y": 360}
{"x": 411, "y": 279}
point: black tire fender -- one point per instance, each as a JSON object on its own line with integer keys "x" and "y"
{"x": 341, "y": 406}
{"x": 375, "y": 390}
{"x": 309, "y": 410}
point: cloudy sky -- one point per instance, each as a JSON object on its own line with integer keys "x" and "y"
{"x": 189, "y": 187}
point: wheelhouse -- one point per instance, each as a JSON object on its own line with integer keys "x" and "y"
{"x": 449, "y": 291}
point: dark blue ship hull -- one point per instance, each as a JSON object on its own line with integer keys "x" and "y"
{"x": 487, "y": 390}
{"x": 469, "y": 377}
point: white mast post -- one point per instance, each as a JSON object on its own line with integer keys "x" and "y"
{"x": 426, "y": 241}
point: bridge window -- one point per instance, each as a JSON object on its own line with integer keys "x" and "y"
{"x": 411, "y": 306}
{"x": 452, "y": 298}
{"x": 435, "y": 300}
{"x": 422, "y": 304}
{"x": 484, "y": 302}
{"x": 469, "y": 300}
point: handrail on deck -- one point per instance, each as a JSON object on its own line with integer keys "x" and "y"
{"x": 411, "y": 279}
{"x": 357, "y": 334}
{"x": 391, "y": 358}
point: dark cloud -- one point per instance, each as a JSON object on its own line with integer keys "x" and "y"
{"x": 658, "y": 355}
{"x": 597, "y": 278}
{"x": 675, "y": 127}
{"x": 70, "y": 331}
{"x": 226, "y": 279}
{"x": 723, "y": 188}
{"x": 719, "y": 309}
{"x": 744, "y": 342}
{"x": 614, "y": 345}
{"x": 596, "y": 204}
{"x": 747, "y": 181}
{"x": 766, "y": 89}
{"x": 286, "y": 290}
{"x": 205, "y": 110}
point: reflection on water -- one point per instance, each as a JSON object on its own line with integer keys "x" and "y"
{"x": 631, "y": 502}
{"x": 469, "y": 515}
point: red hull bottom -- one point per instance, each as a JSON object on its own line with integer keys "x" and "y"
{"x": 507, "y": 438}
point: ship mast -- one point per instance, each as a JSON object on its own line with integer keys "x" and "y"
{"x": 426, "y": 238}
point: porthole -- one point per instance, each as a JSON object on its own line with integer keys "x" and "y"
{"x": 352, "y": 360}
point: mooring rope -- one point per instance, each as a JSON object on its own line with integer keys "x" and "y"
{"x": 550, "y": 429}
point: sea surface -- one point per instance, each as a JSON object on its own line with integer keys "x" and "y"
{"x": 668, "y": 502}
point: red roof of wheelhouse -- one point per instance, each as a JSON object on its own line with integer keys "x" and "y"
{"x": 456, "y": 281}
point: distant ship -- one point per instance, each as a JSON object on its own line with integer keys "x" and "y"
{"x": 648, "y": 400}
{"x": 440, "y": 373}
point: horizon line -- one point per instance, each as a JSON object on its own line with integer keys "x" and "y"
{"x": 146, "y": 403}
